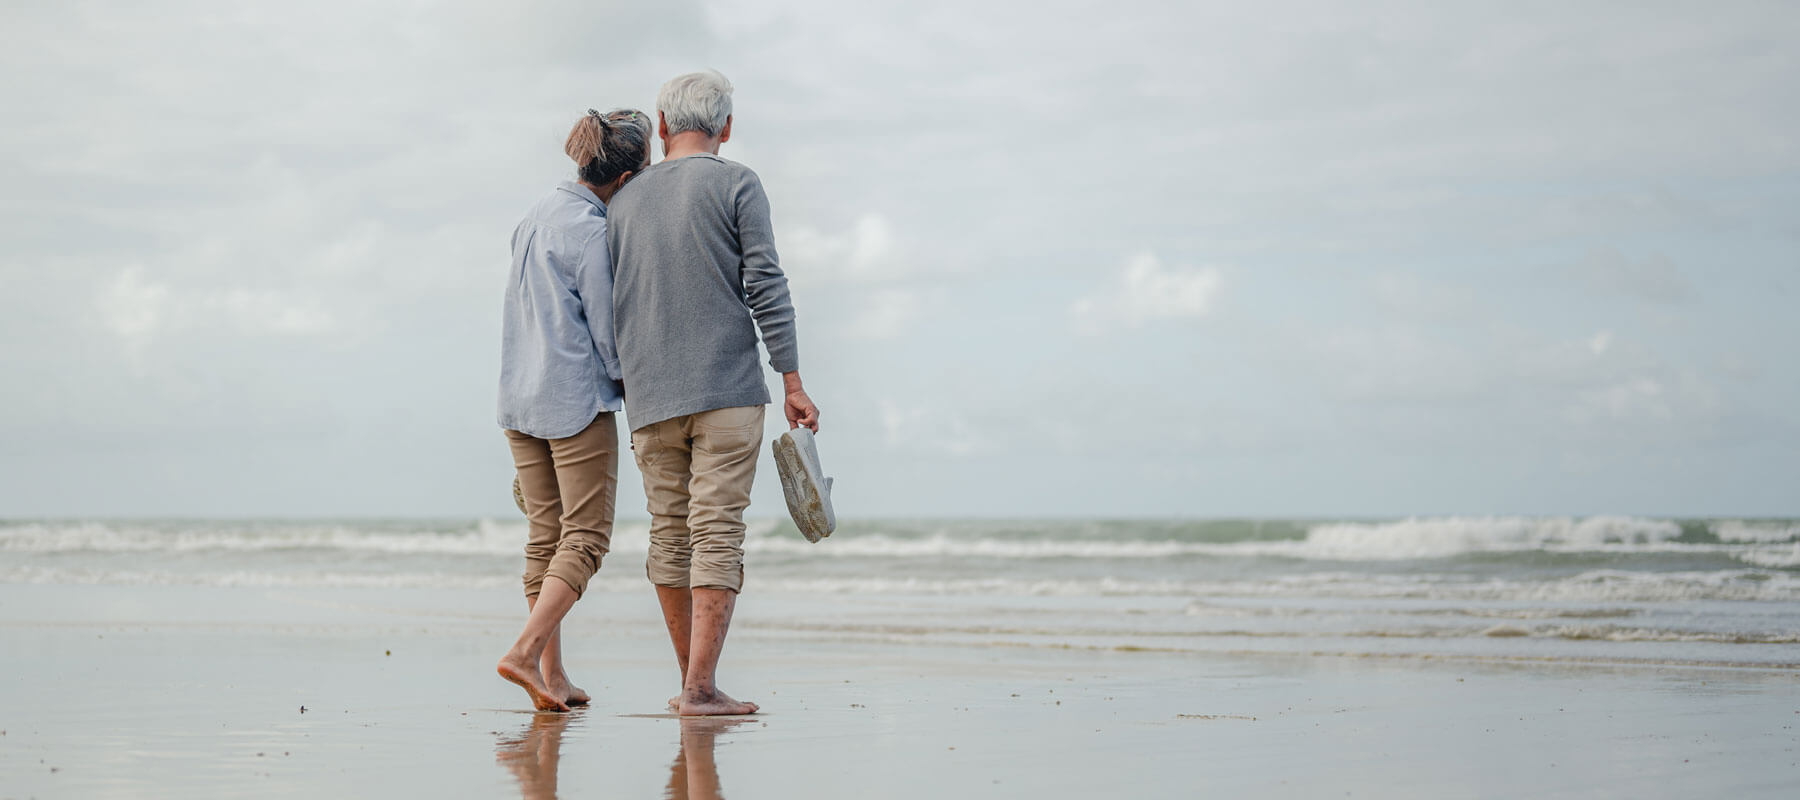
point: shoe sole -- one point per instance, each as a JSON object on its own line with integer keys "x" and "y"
{"x": 807, "y": 490}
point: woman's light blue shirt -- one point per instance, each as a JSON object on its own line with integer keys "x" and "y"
{"x": 559, "y": 363}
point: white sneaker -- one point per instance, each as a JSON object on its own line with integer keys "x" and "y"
{"x": 804, "y": 484}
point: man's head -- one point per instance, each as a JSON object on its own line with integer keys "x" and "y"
{"x": 695, "y": 103}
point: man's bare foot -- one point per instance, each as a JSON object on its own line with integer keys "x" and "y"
{"x": 717, "y": 704}
{"x": 675, "y": 704}
{"x": 525, "y": 674}
{"x": 708, "y": 726}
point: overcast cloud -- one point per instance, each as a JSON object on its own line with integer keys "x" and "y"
{"x": 1103, "y": 259}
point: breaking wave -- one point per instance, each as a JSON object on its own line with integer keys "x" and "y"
{"x": 1442, "y": 537}
{"x": 1590, "y": 587}
{"x": 1759, "y": 532}
{"x": 1762, "y": 544}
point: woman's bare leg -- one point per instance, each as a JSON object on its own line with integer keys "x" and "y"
{"x": 551, "y": 665}
{"x": 521, "y": 664}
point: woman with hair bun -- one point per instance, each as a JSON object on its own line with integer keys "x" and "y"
{"x": 559, "y": 390}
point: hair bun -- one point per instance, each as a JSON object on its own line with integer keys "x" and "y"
{"x": 606, "y": 145}
{"x": 587, "y": 141}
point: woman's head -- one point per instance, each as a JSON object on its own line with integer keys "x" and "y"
{"x": 606, "y": 146}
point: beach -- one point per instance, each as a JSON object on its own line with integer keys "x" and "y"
{"x": 1226, "y": 400}
{"x": 185, "y": 671}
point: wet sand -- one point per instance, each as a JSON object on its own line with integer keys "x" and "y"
{"x": 122, "y": 691}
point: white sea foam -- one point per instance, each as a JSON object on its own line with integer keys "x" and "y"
{"x": 1771, "y": 556}
{"x": 1417, "y": 538}
{"x": 1592, "y": 587}
{"x": 1616, "y": 633}
{"x": 485, "y": 537}
{"x": 944, "y": 544}
{"x": 1621, "y": 633}
{"x": 1442, "y": 537}
{"x": 1759, "y": 532}
{"x": 252, "y": 578}
{"x": 1409, "y": 539}
{"x": 506, "y": 538}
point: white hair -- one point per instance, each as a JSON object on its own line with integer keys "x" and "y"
{"x": 697, "y": 101}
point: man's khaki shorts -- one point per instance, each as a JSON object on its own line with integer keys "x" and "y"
{"x": 697, "y": 475}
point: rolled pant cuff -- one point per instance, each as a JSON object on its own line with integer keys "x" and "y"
{"x": 666, "y": 576}
{"x": 535, "y": 570}
{"x": 572, "y": 574}
{"x": 728, "y": 582}
{"x": 738, "y": 588}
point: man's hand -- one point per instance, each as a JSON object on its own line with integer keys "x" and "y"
{"x": 798, "y": 407}
{"x": 801, "y": 411}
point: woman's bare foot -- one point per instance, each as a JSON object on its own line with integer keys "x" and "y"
{"x": 525, "y": 673}
{"x": 716, "y": 704}
{"x": 560, "y": 688}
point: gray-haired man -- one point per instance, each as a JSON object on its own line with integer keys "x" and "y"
{"x": 695, "y": 277}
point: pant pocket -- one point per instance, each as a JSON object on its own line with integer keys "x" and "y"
{"x": 644, "y": 447}
{"x": 728, "y": 430}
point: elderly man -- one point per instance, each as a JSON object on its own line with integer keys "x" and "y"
{"x": 695, "y": 278}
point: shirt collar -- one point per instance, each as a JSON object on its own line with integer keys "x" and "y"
{"x": 575, "y": 188}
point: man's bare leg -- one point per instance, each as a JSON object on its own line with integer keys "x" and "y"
{"x": 551, "y": 665}
{"x": 694, "y": 775}
{"x": 678, "y": 615}
{"x": 700, "y": 695}
{"x": 678, "y": 775}
{"x": 521, "y": 664}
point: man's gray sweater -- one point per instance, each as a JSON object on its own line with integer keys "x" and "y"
{"x": 694, "y": 264}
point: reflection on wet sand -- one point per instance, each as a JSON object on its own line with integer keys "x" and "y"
{"x": 531, "y": 756}
{"x": 693, "y": 776}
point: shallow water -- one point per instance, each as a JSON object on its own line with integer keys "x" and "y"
{"x": 230, "y": 691}
{"x": 1708, "y": 591}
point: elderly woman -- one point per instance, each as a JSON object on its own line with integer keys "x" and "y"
{"x": 559, "y": 390}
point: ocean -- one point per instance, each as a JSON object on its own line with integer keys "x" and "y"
{"x": 1718, "y": 592}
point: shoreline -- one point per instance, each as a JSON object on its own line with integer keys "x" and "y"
{"x": 128, "y": 693}
{"x": 1155, "y": 625}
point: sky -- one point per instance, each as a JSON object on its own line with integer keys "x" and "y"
{"x": 1049, "y": 259}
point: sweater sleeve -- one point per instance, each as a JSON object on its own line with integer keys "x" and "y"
{"x": 765, "y": 285}
{"x": 593, "y": 282}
